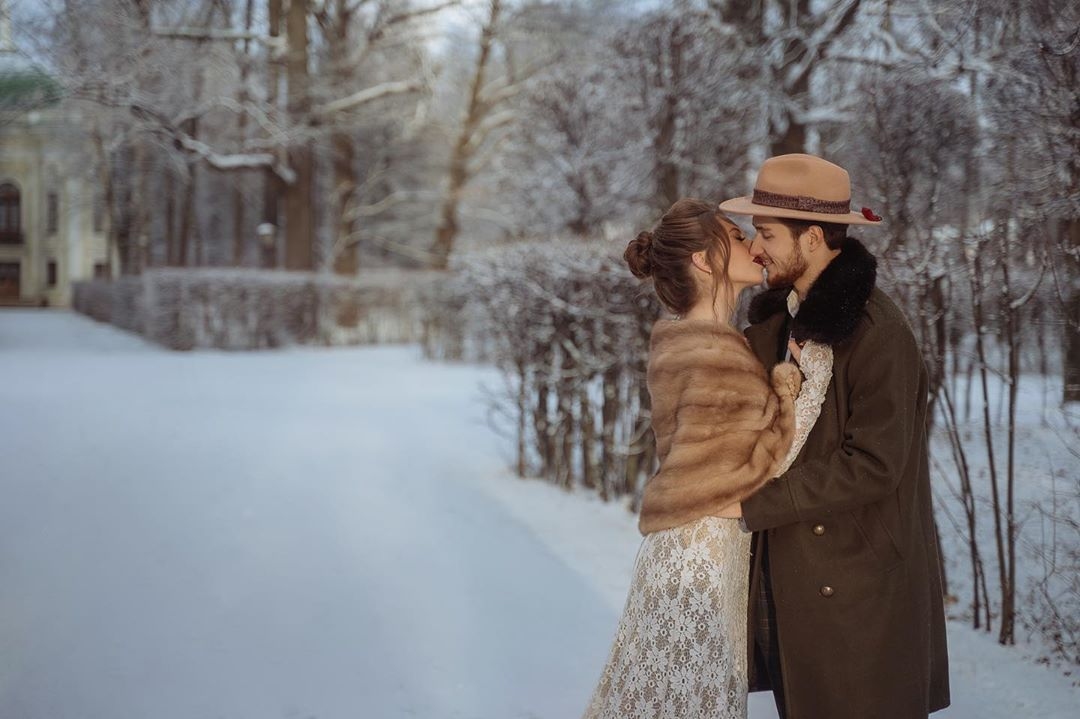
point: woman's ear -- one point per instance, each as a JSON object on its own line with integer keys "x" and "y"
{"x": 701, "y": 261}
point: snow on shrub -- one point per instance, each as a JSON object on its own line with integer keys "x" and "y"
{"x": 243, "y": 309}
{"x": 568, "y": 326}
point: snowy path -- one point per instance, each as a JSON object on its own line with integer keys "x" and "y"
{"x": 308, "y": 534}
{"x": 286, "y": 534}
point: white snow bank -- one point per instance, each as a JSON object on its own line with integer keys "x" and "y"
{"x": 309, "y": 533}
{"x": 601, "y": 540}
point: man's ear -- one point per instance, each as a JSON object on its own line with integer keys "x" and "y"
{"x": 815, "y": 238}
{"x": 701, "y": 261}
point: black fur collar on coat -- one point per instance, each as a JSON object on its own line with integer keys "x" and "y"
{"x": 832, "y": 308}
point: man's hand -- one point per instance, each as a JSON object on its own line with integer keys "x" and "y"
{"x": 732, "y": 511}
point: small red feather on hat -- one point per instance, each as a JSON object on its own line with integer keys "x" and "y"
{"x": 869, "y": 214}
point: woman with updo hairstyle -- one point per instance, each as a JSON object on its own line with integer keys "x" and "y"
{"x": 694, "y": 247}
{"x": 723, "y": 428}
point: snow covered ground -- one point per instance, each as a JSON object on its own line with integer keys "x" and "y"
{"x": 309, "y": 534}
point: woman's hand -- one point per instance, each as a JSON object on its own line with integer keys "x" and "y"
{"x": 732, "y": 511}
{"x": 796, "y": 350}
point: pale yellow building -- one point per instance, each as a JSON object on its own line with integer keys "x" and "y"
{"x": 52, "y": 219}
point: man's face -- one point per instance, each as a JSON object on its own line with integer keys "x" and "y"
{"x": 775, "y": 248}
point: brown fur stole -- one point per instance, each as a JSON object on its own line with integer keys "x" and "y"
{"x": 722, "y": 427}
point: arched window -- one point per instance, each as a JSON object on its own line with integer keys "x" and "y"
{"x": 10, "y": 224}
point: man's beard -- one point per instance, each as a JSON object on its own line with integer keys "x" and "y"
{"x": 785, "y": 276}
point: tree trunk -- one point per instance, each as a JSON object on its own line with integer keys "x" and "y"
{"x": 343, "y": 254}
{"x": 171, "y": 250}
{"x": 299, "y": 196}
{"x": 522, "y": 416}
{"x": 564, "y": 401}
{"x": 187, "y": 206}
{"x": 140, "y": 221}
{"x": 124, "y": 179}
{"x": 664, "y": 140}
{"x": 446, "y": 232}
{"x": 541, "y": 420}
{"x": 187, "y": 212}
{"x": 642, "y": 448}
{"x": 240, "y": 229}
{"x": 346, "y": 257}
{"x": 979, "y": 599}
{"x": 976, "y": 279}
{"x": 1072, "y": 318}
{"x": 793, "y": 138}
{"x": 273, "y": 187}
{"x": 1007, "y": 633}
{"x": 790, "y": 135}
{"x": 609, "y": 415}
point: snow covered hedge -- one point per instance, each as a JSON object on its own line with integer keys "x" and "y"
{"x": 569, "y": 327}
{"x": 253, "y": 309}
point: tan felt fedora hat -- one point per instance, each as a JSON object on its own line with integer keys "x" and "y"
{"x": 801, "y": 187}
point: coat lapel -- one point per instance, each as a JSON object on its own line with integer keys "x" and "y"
{"x": 764, "y": 339}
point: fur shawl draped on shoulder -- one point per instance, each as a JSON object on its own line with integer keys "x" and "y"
{"x": 723, "y": 426}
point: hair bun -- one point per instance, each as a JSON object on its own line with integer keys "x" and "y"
{"x": 638, "y": 255}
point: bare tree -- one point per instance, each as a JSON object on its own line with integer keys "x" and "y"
{"x": 299, "y": 199}
{"x": 480, "y": 119}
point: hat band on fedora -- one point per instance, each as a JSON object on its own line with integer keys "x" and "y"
{"x": 801, "y": 203}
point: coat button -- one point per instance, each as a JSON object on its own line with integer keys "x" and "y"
{"x": 826, "y": 591}
{"x": 819, "y": 529}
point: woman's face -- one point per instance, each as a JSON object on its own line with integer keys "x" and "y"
{"x": 742, "y": 270}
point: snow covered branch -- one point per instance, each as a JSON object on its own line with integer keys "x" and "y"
{"x": 236, "y": 161}
{"x": 203, "y": 33}
{"x": 371, "y": 94}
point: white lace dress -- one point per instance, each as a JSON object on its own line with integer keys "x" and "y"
{"x": 680, "y": 650}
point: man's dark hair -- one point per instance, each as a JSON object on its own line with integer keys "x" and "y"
{"x": 835, "y": 233}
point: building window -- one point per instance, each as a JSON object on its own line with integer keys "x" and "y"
{"x": 9, "y": 280}
{"x": 51, "y": 273}
{"x": 52, "y": 213}
{"x": 101, "y": 271}
{"x": 10, "y": 224}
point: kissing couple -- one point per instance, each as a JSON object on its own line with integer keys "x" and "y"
{"x": 789, "y": 538}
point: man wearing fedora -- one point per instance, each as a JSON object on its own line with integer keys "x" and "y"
{"x": 846, "y": 609}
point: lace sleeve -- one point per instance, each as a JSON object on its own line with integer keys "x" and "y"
{"x": 816, "y": 364}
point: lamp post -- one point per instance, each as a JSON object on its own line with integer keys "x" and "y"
{"x": 267, "y": 234}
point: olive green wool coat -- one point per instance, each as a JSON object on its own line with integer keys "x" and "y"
{"x": 853, "y": 557}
